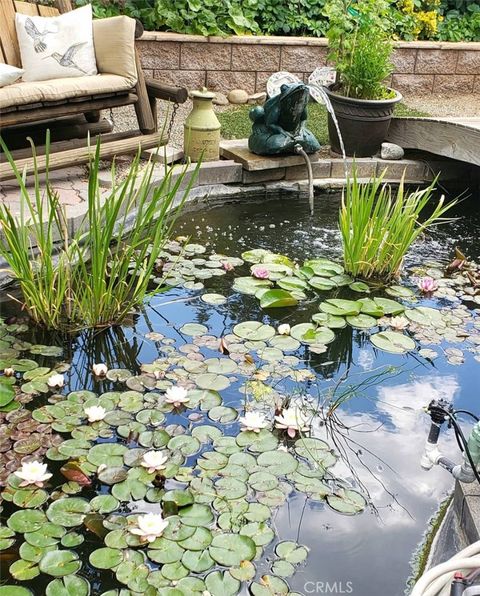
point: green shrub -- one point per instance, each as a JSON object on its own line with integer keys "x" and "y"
{"x": 99, "y": 275}
{"x": 378, "y": 225}
{"x": 360, "y": 47}
{"x": 453, "y": 20}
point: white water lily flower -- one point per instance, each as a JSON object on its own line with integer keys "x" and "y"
{"x": 56, "y": 380}
{"x": 150, "y": 526}
{"x": 292, "y": 419}
{"x": 99, "y": 369}
{"x": 9, "y": 371}
{"x": 154, "y": 461}
{"x": 176, "y": 396}
{"x": 253, "y": 421}
{"x": 33, "y": 472}
{"x": 284, "y": 329}
{"x": 399, "y": 323}
{"x": 95, "y": 413}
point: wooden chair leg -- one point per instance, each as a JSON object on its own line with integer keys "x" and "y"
{"x": 146, "y": 120}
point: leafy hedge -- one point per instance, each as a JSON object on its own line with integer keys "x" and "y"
{"x": 450, "y": 20}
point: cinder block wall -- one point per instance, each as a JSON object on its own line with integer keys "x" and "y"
{"x": 246, "y": 62}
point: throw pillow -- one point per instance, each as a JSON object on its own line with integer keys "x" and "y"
{"x": 57, "y": 47}
{"x": 9, "y": 74}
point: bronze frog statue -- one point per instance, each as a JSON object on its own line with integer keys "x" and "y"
{"x": 279, "y": 125}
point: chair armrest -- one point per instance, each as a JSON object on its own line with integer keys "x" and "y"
{"x": 114, "y": 40}
{"x": 168, "y": 92}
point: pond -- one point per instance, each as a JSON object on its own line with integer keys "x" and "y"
{"x": 361, "y": 509}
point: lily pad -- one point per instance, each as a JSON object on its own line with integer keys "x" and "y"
{"x": 393, "y": 342}
{"x": 254, "y": 331}
{"x": 221, "y": 583}
{"x": 68, "y": 512}
{"x": 59, "y": 563}
{"x": 193, "y": 329}
{"x": 362, "y": 321}
{"x": 71, "y": 585}
{"x": 347, "y": 501}
{"x": 399, "y": 291}
{"x": 212, "y": 381}
{"x": 106, "y": 558}
{"x": 341, "y": 308}
{"x": 231, "y": 549}
{"x": 277, "y": 299}
{"x": 390, "y": 307}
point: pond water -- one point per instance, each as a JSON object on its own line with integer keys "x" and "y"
{"x": 378, "y": 431}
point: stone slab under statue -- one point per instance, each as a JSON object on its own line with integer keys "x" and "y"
{"x": 280, "y": 124}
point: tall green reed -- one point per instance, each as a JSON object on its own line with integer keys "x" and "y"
{"x": 103, "y": 271}
{"x": 379, "y": 224}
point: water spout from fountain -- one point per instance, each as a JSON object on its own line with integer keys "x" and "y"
{"x": 299, "y": 149}
{"x": 328, "y": 104}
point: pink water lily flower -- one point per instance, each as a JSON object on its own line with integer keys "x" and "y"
{"x": 227, "y": 266}
{"x": 427, "y": 285}
{"x": 261, "y": 273}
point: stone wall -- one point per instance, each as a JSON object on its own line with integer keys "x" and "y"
{"x": 246, "y": 62}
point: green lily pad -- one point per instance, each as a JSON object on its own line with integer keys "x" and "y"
{"x": 254, "y": 331}
{"x": 186, "y": 444}
{"x": 283, "y": 568}
{"x": 399, "y": 292}
{"x": 341, "y": 308}
{"x": 106, "y": 558}
{"x": 223, "y": 414}
{"x": 347, "y": 501}
{"x": 393, "y": 342}
{"x": 244, "y": 572}
{"x": 7, "y": 538}
{"x": 362, "y": 321}
{"x": 371, "y": 307}
{"x": 291, "y": 552}
{"x": 277, "y": 299}
{"x": 108, "y": 454}
{"x": 197, "y": 561}
{"x": 68, "y": 512}
{"x": 269, "y": 585}
{"x": 28, "y": 520}
{"x": 322, "y": 283}
{"x": 196, "y": 515}
{"x": 278, "y": 462}
{"x": 250, "y": 285}
{"x": 212, "y": 381}
{"x": 221, "y": 583}
{"x": 24, "y": 570}
{"x": 165, "y": 551}
{"x": 193, "y": 329}
{"x": 330, "y": 321}
{"x": 360, "y": 286}
{"x": 231, "y": 549}
{"x": 71, "y": 585}
{"x": 59, "y": 563}
{"x": 390, "y": 307}
{"x": 9, "y": 590}
{"x": 213, "y": 298}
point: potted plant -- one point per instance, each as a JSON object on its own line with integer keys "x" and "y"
{"x": 360, "y": 48}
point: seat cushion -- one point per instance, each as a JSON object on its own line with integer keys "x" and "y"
{"x": 58, "y": 89}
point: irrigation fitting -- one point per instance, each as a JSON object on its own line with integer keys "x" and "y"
{"x": 441, "y": 411}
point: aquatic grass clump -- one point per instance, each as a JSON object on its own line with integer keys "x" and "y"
{"x": 378, "y": 225}
{"x": 104, "y": 271}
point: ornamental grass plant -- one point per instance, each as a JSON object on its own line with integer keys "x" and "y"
{"x": 100, "y": 274}
{"x": 378, "y": 224}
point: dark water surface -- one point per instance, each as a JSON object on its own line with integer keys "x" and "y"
{"x": 367, "y": 554}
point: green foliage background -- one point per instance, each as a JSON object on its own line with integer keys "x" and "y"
{"x": 454, "y": 20}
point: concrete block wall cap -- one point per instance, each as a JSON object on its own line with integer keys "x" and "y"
{"x": 296, "y": 41}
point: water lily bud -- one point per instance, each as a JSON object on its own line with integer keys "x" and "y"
{"x": 8, "y": 372}
{"x": 284, "y": 329}
{"x": 56, "y": 380}
{"x": 99, "y": 370}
